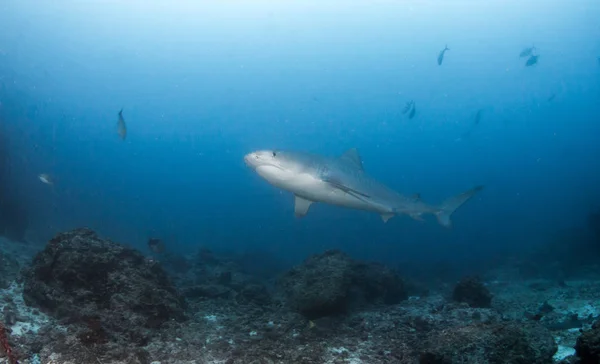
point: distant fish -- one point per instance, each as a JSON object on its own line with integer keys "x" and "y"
{"x": 531, "y": 61}
{"x": 121, "y": 127}
{"x": 551, "y": 98}
{"x": 410, "y": 109}
{"x": 412, "y": 112}
{"x": 46, "y": 179}
{"x": 526, "y": 52}
{"x": 409, "y": 105}
{"x": 440, "y": 58}
{"x": 156, "y": 245}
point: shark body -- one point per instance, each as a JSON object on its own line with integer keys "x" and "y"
{"x": 342, "y": 181}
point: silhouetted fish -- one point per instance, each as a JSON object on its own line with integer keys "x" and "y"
{"x": 551, "y": 98}
{"x": 440, "y": 58}
{"x": 410, "y": 108}
{"x": 121, "y": 127}
{"x": 531, "y": 61}
{"x": 526, "y": 52}
{"x": 409, "y": 105}
{"x": 412, "y": 112}
{"x": 156, "y": 245}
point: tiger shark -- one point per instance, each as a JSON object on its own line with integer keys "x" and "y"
{"x": 342, "y": 181}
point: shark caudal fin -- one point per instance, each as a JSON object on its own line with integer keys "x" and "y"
{"x": 453, "y": 203}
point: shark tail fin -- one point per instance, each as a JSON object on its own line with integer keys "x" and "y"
{"x": 452, "y": 204}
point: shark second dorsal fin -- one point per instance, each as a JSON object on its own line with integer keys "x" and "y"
{"x": 351, "y": 156}
{"x": 301, "y": 206}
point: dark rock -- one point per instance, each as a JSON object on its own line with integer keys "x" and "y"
{"x": 588, "y": 345}
{"x": 319, "y": 287}
{"x": 379, "y": 283}
{"x": 471, "y": 291}
{"x": 332, "y": 283}
{"x": 503, "y": 343}
{"x": 105, "y": 288}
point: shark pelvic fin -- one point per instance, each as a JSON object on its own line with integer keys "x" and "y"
{"x": 386, "y": 217}
{"x": 301, "y": 206}
{"x": 351, "y": 156}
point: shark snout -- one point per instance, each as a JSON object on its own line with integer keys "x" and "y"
{"x": 251, "y": 159}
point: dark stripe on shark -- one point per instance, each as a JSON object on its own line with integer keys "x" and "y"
{"x": 347, "y": 189}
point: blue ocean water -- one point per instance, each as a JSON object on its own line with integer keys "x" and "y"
{"x": 203, "y": 83}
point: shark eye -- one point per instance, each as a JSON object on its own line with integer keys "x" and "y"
{"x": 274, "y": 154}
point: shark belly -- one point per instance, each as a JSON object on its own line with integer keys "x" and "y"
{"x": 309, "y": 187}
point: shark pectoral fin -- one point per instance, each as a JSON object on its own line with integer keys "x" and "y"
{"x": 301, "y": 206}
{"x": 386, "y": 217}
{"x": 417, "y": 217}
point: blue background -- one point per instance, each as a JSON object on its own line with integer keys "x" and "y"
{"x": 203, "y": 82}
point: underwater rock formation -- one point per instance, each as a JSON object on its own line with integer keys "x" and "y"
{"x": 471, "y": 291}
{"x": 114, "y": 293}
{"x": 588, "y": 345}
{"x": 332, "y": 283}
{"x": 507, "y": 343}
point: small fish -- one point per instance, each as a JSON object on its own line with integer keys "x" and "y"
{"x": 531, "y": 61}
{"x": 412, "y": 112}
{"x": 46, "y": 178}
{"x": 526, "y": 52}
{"x": 551, "y": 98}
{"x": 440, "y": 58}
{"x": 121, "y": 127}
{"x": 409, "y": 105}
{"x": 156, "y": 245}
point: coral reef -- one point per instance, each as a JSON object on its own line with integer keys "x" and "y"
{"x": 472, "y": 291}
{"x": 5, "y": 346}
{"x": 111, "y": 292}
{"x": 101, "y": 302}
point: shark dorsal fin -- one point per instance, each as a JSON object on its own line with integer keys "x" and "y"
{"x": 351, "y": 156}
